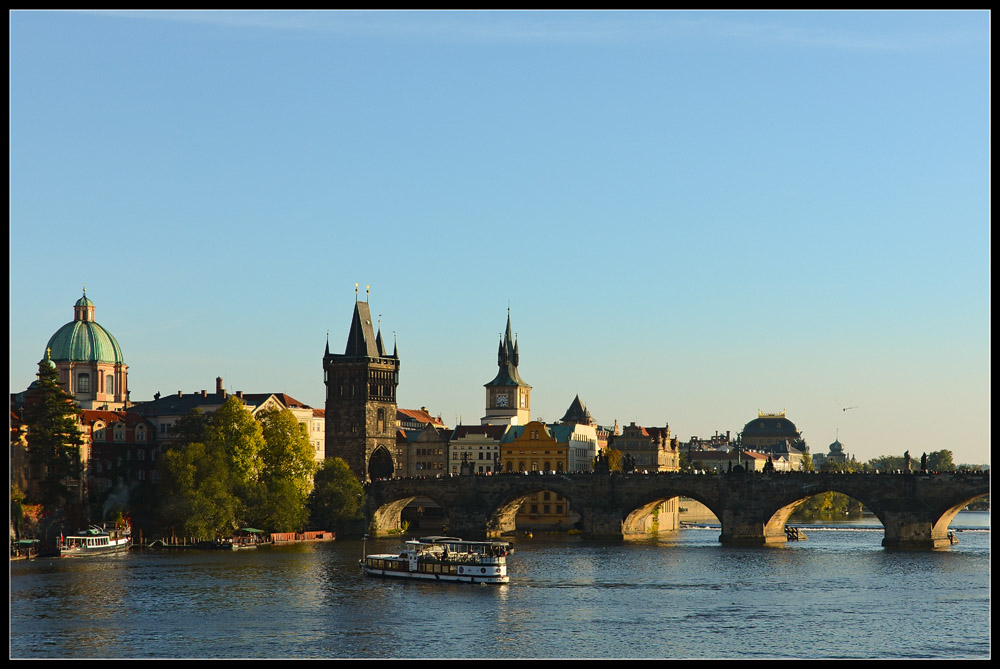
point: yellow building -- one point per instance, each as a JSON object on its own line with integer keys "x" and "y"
{"x": 533, "y": 448}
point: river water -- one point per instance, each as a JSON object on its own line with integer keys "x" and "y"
{"x": 838, "y": 594}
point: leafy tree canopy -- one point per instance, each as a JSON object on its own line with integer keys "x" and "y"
{"x": 197, "y": 491}
{"x": 336, "y": 500}
{"x": 287, "y": 453}
{"x": 233, "y": 429}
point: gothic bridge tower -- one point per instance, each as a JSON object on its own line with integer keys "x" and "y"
{"x": 361, "y": 401}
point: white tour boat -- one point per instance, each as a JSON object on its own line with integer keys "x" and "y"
{"x": 96, "y": 541}
{"x": 443, "y": 559}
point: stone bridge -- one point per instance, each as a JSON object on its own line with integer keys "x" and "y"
{"x": 915, "y": 509}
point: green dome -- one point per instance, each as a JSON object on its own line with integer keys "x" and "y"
{"x": 83, "y": 340}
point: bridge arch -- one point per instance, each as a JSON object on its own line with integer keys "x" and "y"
{"x": 386, "y": 514}
{"x": 502, "y": 518}
{"x": 644, "y": 511}
{"x": 911, "y": 521}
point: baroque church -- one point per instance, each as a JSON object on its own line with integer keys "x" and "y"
{"x": 89, "y": 360}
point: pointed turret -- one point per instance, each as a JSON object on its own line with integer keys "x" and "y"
{"x": 507, "y": 359}
{"x": 577, "y": 413}
{"x": 361, "y": 342}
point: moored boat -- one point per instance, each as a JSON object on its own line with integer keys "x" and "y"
{"x": 443, "y": 559}
{"x": 96, "y": 540}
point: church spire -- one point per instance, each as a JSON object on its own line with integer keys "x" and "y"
{"x": 507, "y": 359}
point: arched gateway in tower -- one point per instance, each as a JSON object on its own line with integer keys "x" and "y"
{"x": 361, "y": 401}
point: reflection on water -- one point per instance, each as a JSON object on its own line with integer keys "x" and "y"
{"x": 838, "y": 594}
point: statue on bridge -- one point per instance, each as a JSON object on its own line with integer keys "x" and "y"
{"x": 923, "y": 463}
{"x": 906, "y": 462}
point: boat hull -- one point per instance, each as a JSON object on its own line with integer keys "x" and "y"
{"x": 96, "y": 541}
{"x": 84, "y": 551}
{"x": 491, "y": 579}
{"x": 443, "y": 560}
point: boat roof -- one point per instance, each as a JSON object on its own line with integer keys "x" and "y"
{"x": 456, "y": 541}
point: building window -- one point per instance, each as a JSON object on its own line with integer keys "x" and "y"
{"x": 83, "y": 383}
{"x": 109, "y": 384}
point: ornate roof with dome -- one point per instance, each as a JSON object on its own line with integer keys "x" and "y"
{"x": 83, "y": 339}
{"x": 771, "y": 425}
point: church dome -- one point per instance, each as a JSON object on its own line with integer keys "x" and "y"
{"x": 83, "y": 339}
{"x": 773, "y": 426}
{"x": 836, "y": 447}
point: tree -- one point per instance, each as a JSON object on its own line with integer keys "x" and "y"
{"x": 209, "y": 478}
{"x": 54, "y": 440}
{"x": 834, "y": 465}
{"x": 197, "y": 491}
{"x": 287, "y": 453}
{"x": 940, "y": 461}
{"x": 886, "y": 463}
{"x": 336, "y": 498}
{"x": 615, "y": 458}
{"x": 233, "y": 429}
{"x": 286, "y": 468}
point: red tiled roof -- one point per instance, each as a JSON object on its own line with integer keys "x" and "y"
{"x": 420, "y": 415}
{"x": 89, "y": 416}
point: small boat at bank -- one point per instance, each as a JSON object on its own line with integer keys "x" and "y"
{"x": 443, "y": 559}
{"x": 96, "y": 540}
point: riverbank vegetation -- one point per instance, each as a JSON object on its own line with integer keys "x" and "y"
{"x": 230, "y": 470}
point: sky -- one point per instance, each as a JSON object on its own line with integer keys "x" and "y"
{"x": 690, "y": 216}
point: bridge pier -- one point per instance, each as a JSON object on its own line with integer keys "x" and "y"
{"x": 471, "y": 523}
{"x": 602, "y": 524}
{"x": 739, "y": 530}
{"x": 909, "y": 531}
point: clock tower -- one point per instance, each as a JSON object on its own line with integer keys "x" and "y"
{"x": 508, "y": 397}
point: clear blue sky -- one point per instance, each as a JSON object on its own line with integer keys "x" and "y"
{"x": 691, "y": 215}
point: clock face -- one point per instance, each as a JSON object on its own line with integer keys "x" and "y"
{"x": 501, "y": 400}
